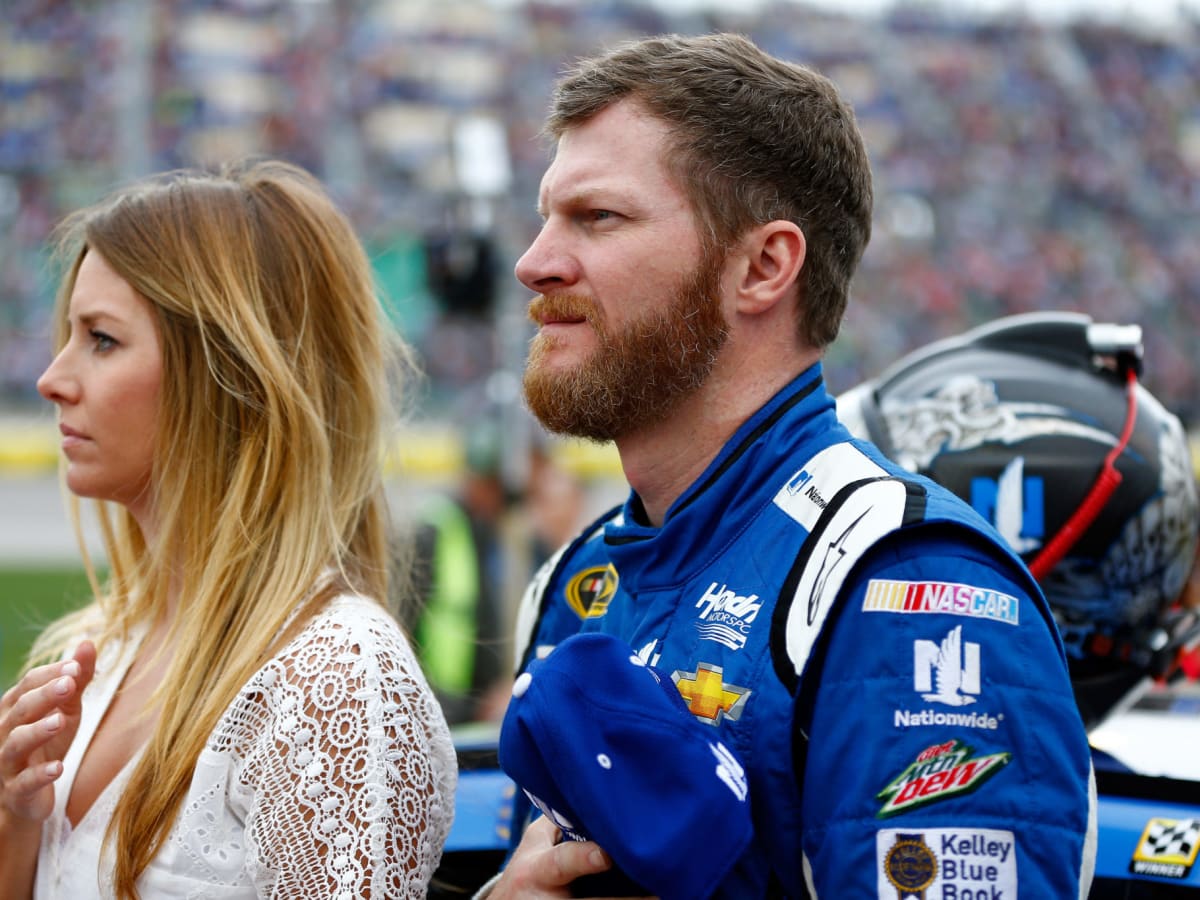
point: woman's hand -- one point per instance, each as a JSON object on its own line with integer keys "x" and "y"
{"x": 39, "y": 717}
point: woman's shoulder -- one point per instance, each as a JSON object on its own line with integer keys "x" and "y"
{"x": 347, "y": 627}
{"x": 350, "y": 655}
{"x": 354, "y": 611}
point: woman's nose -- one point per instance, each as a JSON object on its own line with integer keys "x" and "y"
{"x": 55, "y": 384}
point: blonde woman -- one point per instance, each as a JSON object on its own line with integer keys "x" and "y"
{"x": 236, "y": 714}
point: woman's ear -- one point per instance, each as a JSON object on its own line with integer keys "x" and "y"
{"x": 773, "y": 256}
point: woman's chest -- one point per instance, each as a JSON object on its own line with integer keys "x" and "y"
{"x": 124, "y": 727}
{"x": 206, "y": 853}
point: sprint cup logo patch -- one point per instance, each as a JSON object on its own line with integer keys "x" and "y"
{"x": 939, "y": 772}
{"x": 946, "y": 864}
{"x": 1167, "y": 848}
{"x": 589, "y": 591}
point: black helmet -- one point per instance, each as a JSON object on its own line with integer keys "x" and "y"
{"x": 1039, "y": 423}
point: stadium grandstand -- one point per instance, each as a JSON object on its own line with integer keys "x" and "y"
{"x": 1021, "y": 164}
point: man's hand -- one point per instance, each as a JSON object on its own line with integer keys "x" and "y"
{"x": 544, "y": 867}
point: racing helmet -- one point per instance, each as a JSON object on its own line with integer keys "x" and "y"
{"x": 1039, "y": 423}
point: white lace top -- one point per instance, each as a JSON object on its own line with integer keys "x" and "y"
{"x": 331, "y": 775}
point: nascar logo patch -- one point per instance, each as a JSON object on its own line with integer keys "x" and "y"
{"x": 940, "y": 597}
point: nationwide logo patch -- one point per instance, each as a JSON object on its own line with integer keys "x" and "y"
{"x": 1167, "y": 848}
{"x": 945, "y": 864}
{"x": 589, "y": 591}
{"x": 708, "y": 697}
{"x": 940, "y": 597}
{"x": 947, "y": 671}
{"x": 802, "y": 482}
{"x": 939, "y": 772}
{"x": 921, "y": 718}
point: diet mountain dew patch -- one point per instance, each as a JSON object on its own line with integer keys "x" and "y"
{"x": 939, "y": 772}
{"x": 946, "y": 864}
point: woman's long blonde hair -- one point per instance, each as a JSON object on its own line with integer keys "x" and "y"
{"x": 268, "y": 471}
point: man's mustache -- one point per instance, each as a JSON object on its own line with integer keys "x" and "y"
{"x": 563, "y": 307}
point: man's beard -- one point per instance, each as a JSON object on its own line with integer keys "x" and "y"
{"x": 637, "y": 375}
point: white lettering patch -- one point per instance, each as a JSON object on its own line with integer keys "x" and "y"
{"x": 809, "y": 490}
{"x": 726, "y": 616}
{"x": 946, "y": 864}
{"x": 919, "y": 718}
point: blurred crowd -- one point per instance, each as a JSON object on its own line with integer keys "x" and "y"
{"x": 1020, "y": 165}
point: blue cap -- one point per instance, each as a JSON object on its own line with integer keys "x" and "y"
{"x": 605, "y": 747}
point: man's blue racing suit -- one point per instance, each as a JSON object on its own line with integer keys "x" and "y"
{"x": 885, "y": 668}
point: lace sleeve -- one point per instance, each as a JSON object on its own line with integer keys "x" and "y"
{"x": 346, "y": 771}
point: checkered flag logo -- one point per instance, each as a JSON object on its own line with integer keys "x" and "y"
{"x": 1168, "y": 839}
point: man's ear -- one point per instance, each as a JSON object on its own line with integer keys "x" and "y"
{"x": 773, "y": 255}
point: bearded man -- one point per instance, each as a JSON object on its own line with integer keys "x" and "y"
{"x": 823, "y": 615}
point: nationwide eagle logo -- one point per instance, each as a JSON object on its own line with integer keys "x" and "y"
{"x": 947, "y": 672}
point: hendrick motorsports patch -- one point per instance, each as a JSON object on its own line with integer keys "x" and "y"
{"x": 946, "y": 864}
{"x": 1167, "y": 848}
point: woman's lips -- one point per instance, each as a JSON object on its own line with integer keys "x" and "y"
{"x": 71, "y": 437}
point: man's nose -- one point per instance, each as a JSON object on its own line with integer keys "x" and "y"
{"x": 549, "y": 262}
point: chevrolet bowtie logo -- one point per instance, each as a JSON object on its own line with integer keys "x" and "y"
{"x": 708, "y": 697}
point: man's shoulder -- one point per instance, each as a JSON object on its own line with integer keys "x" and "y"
{"x": 805, "y": 485}
{"x": 574, "y": 584}
{"x": 586, "y": 544}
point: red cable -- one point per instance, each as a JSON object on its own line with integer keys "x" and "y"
{"x": 1106, "y": 482}
{"x": 1189, "y": 663}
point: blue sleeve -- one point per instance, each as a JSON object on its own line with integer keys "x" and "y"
{"x": 946, "y": 757}
{"x": 573, "y": 587}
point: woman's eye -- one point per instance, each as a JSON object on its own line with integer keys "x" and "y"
{"x": 101, "y": 341}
